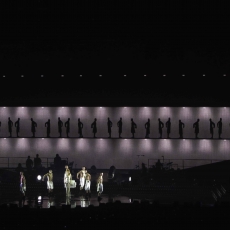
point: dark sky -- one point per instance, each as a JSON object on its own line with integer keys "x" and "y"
{"x": 114, "y": 38}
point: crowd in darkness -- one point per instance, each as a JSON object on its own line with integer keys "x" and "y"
{"x": 136, "y": 214}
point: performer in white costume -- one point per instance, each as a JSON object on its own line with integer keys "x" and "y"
{"x": 82, "y": 175}
{"x": 22, "y": 183}
{"x": 100, "y": 184}
{"x": 87, "y": 182}
{"x": 67, "y": 179}
{"x": 50, "y": 185}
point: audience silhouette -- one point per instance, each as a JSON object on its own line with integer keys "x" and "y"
{"x": 60, "y": 124}
{"x": 119, "y": 125}
{"x": 160, "y": 127}
{"x": 10, "y": 125}
{"x": 94, "y": 127}
{"x": 109, "y": 124}
{"x": 67, "y": 125}
{"x": 212, "y": 126}
{"x": 181, "y": 127}
{"x": 33, "y": 127}
{"x": 168, "y": 126}
{"x": 196, "y": 126}
{"x": 133, "y": 127}
{"x": 80, "y": 127}
{"x": 147, "y": 128}
{"x": 219, "y": 126}
{"x": 47, "y": 125}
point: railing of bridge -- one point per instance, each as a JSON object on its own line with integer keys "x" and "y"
{"x": 12, "y": 162}
{"x": 181, "y": 163}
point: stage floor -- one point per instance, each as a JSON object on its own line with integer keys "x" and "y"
{"x": 83, "y": 200}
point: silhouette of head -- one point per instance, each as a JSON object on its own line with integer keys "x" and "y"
{"x": 31, "y": 119}
{"x": 78, "y": 119}
{"x": 95, "y": 119}
{"x": 37, "y": 155}
{"x": 220, "y": 119}
{"x": 28, "y": 157}
{"x": 131, "y": 119}
{"x": 148, "y": 119}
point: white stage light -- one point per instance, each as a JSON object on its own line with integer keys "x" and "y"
{"x": 39, "y": 177}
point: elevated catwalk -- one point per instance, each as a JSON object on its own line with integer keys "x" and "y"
{"x": 122, "y": 153}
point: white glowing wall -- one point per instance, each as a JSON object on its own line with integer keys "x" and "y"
{"x": 188, "y": 115}
{"x": 122, "y": 153}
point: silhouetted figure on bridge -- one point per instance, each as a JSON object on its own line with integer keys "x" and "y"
{"x": 119, "y": 125}
{"x": 19, "y": 168}
{"x": 109, "y": 125}
{"x": 80, "y": 127}
{"x": 168, "y": 126}
{"x": 94, "y": 127}
{"x": 37, "y": 162}
{"x": 212, "y": 126}
{"x": 29, "y": 164}
{"x": 67, "y": 126}
{"x": 147, "y": 128}
{"x": 47, "y": 125}
{"x": 17, "y": 126}
{"x": 60, "y": 125}
{"x": 159, "y": 165}
{"x": 219, "y": 126}
{"x": 181, "y": 127}
{"x": 10, "y": 126}
{"x": 196, "y": 127}
{"x": 133, "y": 127}
{"x": 57, "y": 162}
{"x": 160, "y": 127}
{"x": 33, "y": 127}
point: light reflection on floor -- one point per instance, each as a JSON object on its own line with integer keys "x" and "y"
{"x": 82, "y": 201}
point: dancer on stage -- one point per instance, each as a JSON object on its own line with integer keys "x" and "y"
{"x": 22, "y": 183}
{"x": 87, "y": 182}
{"x": 82, "y": 175}
{"x": 67, "y": 179}
{"x": 50, "y": 185}
{"x": 100, "y": 184}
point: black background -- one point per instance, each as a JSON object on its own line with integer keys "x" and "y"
{"x": 113, "y": 39}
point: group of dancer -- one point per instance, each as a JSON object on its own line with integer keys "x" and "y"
{"x": 93, "y": 126}
{"x": 83, "y": 176}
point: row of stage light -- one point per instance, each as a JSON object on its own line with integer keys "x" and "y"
{"x": 100, "y": 75}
